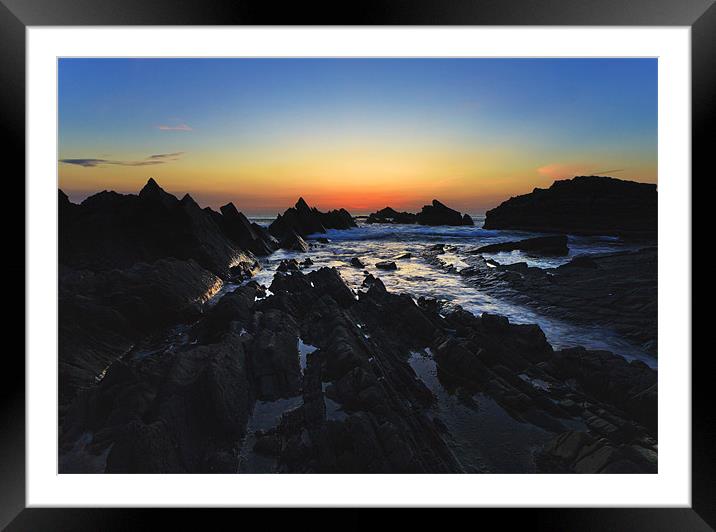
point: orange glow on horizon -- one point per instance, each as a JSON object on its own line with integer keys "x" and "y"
{"x": 359, "y": 179}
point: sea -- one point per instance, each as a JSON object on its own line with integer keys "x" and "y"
{"x": 481, "y": 434}
{"x": 419, "y": 276}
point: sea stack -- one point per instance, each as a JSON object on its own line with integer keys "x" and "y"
{"x": 439, "y": 214}
{"x": 302, "y": 220}
{"x": 588, "y": 205}
{"x": 434, "y": 214}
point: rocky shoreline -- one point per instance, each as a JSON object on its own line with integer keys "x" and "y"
{"x": 583, "y": 205}
{"x": 183, "y": 406}
{"x": 614, "y": 290}
{"x": 169, "y": 352}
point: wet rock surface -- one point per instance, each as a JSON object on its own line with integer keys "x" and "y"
{"x": 386, "y": 265}
{"x": 247, "y": 235}
{"x": 544, "y": 245}
{"x": 615, "y": 290}
{"x": 102, "y": 314}
{"x": 173, "y": 361}
{"x": 595, "y": 205}
{"x": 185, "y": 401}
{"x": 131, "y": 265}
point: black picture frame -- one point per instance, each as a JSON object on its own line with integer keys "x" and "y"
{"x": 16, "y": 15}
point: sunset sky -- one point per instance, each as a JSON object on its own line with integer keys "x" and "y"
{"x": 353, "y": 133}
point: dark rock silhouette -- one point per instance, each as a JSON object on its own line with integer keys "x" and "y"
{"x": 386, "y": 265}
{"x": 439, "y": 214}
{"x": 304, "y": 220}
{"x": 249, "y": 236}
{"x": 133, "y": 264}
{"x": 542, "y": 245}
{"x": 199, "y": 411}
{"x": 434, "y": 214}
{"x": 594, "y": 205}
{"x": 110, "y": 230}
{"x": 159, "y": 381}
{"x": 391, "y": 216}
{"x": 580, "y": 452}
{"x": 294, "y": 242}
{"x": 101, "y": 314}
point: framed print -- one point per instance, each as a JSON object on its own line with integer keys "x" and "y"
{"x": 424, "y": 258}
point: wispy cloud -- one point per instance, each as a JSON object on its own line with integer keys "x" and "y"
{"x": 84, "y": 162}
{"x": 159, "y": 158}
{"x": 179, "y": 127}
{"x": 612, "y": 171}
{"x": 166, "y": 156}
{"x": 561, "y": 171}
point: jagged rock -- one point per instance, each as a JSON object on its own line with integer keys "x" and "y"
{"x": 630, "y": 386}
{"x": 110, "y": 230}
{"x": 357, "y": 263}
{"x": 369, "y": 280}
{"x": 304, "y": 220}
{"x": 434, "y": 214}
{"x": 543, "y": 245}
{"x": 294, "y": 242}
{"x": 577, "y": 452}
{"x": 171, "y": 413}
{"x": 247, "y": 235}
{"x": 101, "y": 314}
{"x": 439, "y": 214}
{"x": 274, "y": 356}
{"x": 582, "y": 205}
{"x": 403, "y": 256}
{"x": 288, "y": 265}
{"x": 184, "y": 406}
{"x": 589, "y": 290}
{"x": 389, "y": 215}
{"x": 234, "y": 307}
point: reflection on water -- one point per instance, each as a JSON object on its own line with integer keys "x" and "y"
{"x": 416, "y": 276}
{"x": 481, "y": 434}
{"x": 303, "y": 351}
{"x": 266, "y": 415}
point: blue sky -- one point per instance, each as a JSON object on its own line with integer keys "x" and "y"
{"x": 256, "y": 130}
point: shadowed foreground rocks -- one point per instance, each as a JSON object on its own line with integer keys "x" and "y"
{"x": 103, "y": 314}
{"x": 590, "y": 205}
{"x": 615, "y": 290}
{"x": 131, "y": 265}
{"x": 182, "y": 401}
